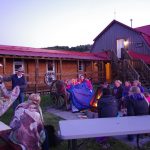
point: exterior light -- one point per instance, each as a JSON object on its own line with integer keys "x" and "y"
{"x": 126, "y": 43}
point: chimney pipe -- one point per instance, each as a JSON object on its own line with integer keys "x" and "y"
{"x": 131, "y": 22}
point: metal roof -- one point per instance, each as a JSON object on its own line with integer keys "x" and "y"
{"x": 40, "y": 52}
{"x": 145, "y": 58}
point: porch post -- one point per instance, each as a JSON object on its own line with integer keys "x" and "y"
{"x": 60, "y": 69}
{"x": 4, "y": 65}
{"x": 77, "y": 68}
{"x": 92, "y": 69}
{"x": 36, "y": 74}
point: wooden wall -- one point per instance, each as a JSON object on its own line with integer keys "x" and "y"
{"x": 108, "y": 40}
{"x": 68, "y": 70}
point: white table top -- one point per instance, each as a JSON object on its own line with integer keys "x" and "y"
{"x": 88, "y": 128}
{"x": 4, "y": 127}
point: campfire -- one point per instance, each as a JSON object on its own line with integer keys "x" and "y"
{"x": 95, "y": 99}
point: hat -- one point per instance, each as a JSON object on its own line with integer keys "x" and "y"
{"x": 20, "y": 69}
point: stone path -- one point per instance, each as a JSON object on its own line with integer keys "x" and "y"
{"x": 68, "y": 115}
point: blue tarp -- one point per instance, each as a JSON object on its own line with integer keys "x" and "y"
{"x": 81, "y": 96}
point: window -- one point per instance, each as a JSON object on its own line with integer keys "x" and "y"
{"x": 51, "y": 69}
{"x": 138, "y": 45}
{"x": 17, "y": 64}
{"x": 81, "y": 67}
{"x": 50, "y": 66}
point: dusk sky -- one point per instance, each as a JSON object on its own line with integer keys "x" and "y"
{"x": 43, "y": 23}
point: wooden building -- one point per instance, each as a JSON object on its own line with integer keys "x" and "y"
{"x": 129, "y": 48}
{"x": 118, "y": 35}
{"x": 60, "y": 64}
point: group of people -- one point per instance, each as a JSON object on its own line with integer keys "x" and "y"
{"x": 127, "y": 95}
{"x": 131, "y": 97}
{"x": 80, "y": 93}
{"x": 28, "y": 124}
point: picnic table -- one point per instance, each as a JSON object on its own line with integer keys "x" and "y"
{"x": 4, "y": 128}
{"x": 72, "y": 130}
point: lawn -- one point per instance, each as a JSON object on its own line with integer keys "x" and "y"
{"x": 88, "y": 144}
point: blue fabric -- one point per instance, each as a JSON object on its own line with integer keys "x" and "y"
{"x": 81, "y": 96}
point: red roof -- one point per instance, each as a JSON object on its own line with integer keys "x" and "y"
{"x": 39, "y": 52}
{"x": 145, "y": 30}
{"x": 145, "y": 58}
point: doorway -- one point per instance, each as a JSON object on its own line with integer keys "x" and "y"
{"x": 120, "y": 45}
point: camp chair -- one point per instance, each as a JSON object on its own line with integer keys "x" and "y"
{"x": 58, "y": 94}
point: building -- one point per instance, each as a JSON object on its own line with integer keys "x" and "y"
{"x": 126, "y": 43}
{"x": 118, "y": 35}
{"x": 60, "y": 64}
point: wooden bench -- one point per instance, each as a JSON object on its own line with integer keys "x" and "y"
{"x": 72, "y": 130}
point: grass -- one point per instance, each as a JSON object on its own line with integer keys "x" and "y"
{"x": 88, "y": 144}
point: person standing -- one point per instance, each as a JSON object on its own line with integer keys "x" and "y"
{"x": 117, "y": 92}
{"x": 18, "y": 79}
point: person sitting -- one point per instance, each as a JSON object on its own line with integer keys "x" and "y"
{"x": 125, "y": 93}
{"x": 107, "y": 105}
{"x": 138, "y": 84}
{"x": 81, "y": 95}
{"x": 27, "y": 124}
{"x": 126, "y": 88}
{"x": 137, "y": 104}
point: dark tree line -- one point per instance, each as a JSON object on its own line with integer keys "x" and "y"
{"x": 80, "y": 48}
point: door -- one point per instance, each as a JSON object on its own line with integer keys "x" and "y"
{"x": 120, "y": 45}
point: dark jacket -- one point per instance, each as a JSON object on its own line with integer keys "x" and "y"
{"x": 137, "y": 105}
{"x": 21, "y": 82}
{"x": 117, "y": 92}
{"x": 107, "y": 107}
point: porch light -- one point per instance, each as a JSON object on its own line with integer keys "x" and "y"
{"x": 126, "y": 43}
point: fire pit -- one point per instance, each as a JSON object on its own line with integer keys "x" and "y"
{"x": 95, "y": 99}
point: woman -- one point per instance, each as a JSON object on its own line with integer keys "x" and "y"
{"x": 136, "y": 102}
{"x": 27, "y": 124}
{"x": 117, "y": 93}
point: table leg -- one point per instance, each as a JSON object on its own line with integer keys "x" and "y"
{"x": 72, "y": 144}
{"x": 137, "y": 141}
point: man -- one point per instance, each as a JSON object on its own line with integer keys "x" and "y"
{"x": 18, "y": 79}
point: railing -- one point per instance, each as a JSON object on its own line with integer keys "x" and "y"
{"x": 130, "y": 70}
{"x": 138, "y": 65}
{"x": 40, "y": 85}
{"x": 125, "y": 54}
